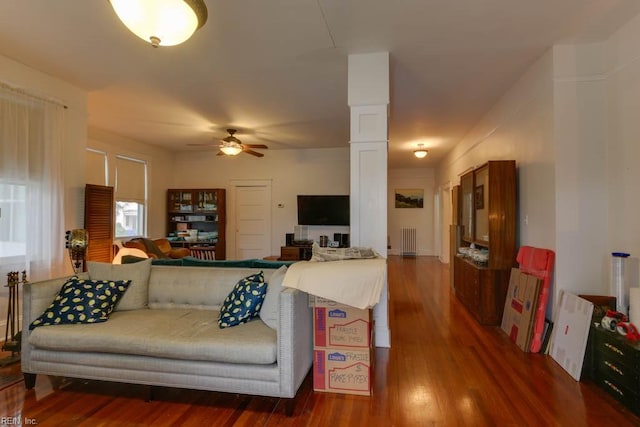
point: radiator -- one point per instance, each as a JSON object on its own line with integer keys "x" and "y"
{"x": 409, "y": 242}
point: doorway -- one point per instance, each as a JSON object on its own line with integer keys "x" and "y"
{"x": 252, "y": 219}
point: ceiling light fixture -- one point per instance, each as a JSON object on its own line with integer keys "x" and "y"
{"x": 230, "y": 149}
{"x": 420, "y": 153}
{"x": 162, "y": 22}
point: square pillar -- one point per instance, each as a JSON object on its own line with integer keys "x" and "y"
{"x": 369, "y": 102}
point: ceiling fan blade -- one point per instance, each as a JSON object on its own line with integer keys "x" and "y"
{"x": 202, "y": 145}
{"x": 253, "y": 153}
{"x": 220, "y": 153}
{"x": 262, "y": 146}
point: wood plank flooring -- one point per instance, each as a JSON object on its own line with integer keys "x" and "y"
{"x": 443, "y": 370}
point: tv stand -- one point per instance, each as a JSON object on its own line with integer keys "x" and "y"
{"x": 296, "y": 252}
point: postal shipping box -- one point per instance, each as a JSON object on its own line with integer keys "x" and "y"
{"x": 343, "y": 370}
{"x": 520, "y": 307}
{"x": 342, "y": 348}
{"x": 337, "y": 325}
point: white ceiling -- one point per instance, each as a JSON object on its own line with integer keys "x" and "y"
{"x": 277, "y": 70}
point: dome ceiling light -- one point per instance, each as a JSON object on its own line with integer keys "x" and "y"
{"x": 420, "y": 153}
{"x": 162, "y": 22}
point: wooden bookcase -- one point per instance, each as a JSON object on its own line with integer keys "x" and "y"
{"x": 202, "y": 209}
{"x": 487, "y": 206}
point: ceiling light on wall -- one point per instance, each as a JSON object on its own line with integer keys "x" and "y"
{"x": 230, "y": 149}
{"x": 420, "y": 153}
{"x": 162, "y": 22}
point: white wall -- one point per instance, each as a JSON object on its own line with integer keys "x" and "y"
{"x": 421, "y": 219}
{"x": 581, "y": 169}
{"x": 519, "y": 127}
{"x": 159, "y": 172}
{"x": 622, "y": 52}
{"x": 291, "y": 172}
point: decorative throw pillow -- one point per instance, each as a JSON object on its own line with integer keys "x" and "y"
{"x": 82, "y": 301}
{"x": 244, "y": 301}
{"x": 271, "y": 305}
{"x": 137, "y": 295}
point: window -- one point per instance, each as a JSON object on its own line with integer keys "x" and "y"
{"x": 13, "y": 222}
{"x": 129, "y": 219}
{"x": 131, "y": 197}
{"x": 96, "y": 167}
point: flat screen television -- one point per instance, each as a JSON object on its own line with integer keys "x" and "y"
{"x": 323, "y": 210}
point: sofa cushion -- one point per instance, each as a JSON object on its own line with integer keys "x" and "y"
{"x": 271, "y": 305}
{"x": 137, "y": 295}
{"x": 203, "y": 288}
{"x": 82, "y": 301}
{"x": 184, "y": 334}
{"x": 244, "y": 301}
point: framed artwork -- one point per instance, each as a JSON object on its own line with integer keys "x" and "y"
{"x": 478, "y": 197}
{"x": 410, "y": 198}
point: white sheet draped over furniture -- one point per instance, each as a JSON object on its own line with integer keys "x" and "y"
{"x": 354, "y": 282}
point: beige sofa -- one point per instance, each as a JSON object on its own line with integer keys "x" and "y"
{"x": 166, "y": 334}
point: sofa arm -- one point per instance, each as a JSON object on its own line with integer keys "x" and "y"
{"x": 36, "y": 297}
{"x": 295, "y": 340}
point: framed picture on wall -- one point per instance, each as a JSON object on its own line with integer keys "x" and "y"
{"x": 478, "y": 197}
{"x": 409, "y": 198}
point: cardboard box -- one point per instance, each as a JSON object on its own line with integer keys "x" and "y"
{"x": 571, "y": 332}
{"x": 343, "y": 371}
{"x": 340, "y": 326}
{"x": 520, "y": 307}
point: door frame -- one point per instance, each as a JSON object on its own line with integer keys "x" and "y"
{"x": 232, "y": 211}
{"x": 444, "y": 221}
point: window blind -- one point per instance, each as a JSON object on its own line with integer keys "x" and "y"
{"x": 131, "y": 180}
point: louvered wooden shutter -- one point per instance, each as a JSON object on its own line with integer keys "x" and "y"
{"x": 99, "y": 222}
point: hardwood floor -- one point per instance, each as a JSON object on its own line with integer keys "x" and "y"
{"x": 443, "y": 369}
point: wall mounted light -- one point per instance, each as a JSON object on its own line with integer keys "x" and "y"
{"x": 162, "y": 22}
{"x": 420, "y": 153}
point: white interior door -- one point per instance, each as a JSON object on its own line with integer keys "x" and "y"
{"x": 252, "y": 220}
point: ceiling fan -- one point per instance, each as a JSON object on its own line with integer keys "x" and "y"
{"x": 232, "y": 146}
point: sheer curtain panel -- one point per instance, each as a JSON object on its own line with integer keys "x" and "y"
{"x": 31, "y": 137}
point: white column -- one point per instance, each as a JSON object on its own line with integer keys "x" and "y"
{"x": 369, "y": 100}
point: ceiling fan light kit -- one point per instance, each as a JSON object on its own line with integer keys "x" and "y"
{"x": 232, "y": 146}
{"x": 230, "y": 150}
{"x": 162, "y": 22}
{"x": 420, "y": 153}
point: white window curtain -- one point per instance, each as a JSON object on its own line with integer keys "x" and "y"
{"x": 31, "y": 135}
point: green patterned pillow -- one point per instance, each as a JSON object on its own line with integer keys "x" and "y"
{"x": 82, "y": 301}
{"x": 244, "y": 301}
